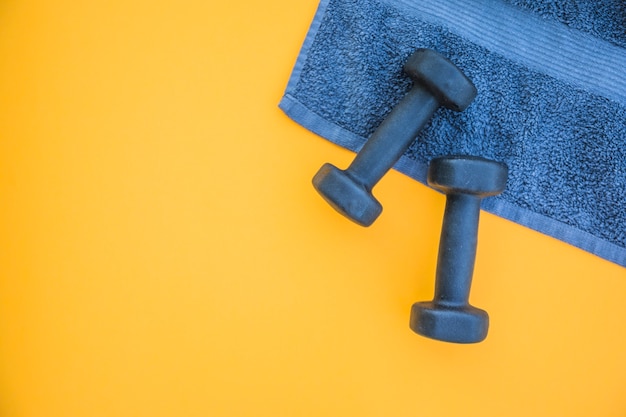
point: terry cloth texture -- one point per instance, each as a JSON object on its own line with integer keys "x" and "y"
{"x": 551, "y": 99}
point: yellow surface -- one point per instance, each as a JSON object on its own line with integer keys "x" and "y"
{"x": 162, "y": 252}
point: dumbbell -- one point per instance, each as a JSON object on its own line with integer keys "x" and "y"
{"x": 466, "y": 180}
{"x": 437, "y": 82}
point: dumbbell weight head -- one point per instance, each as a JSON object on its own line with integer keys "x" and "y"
{"x": 473, "y": 175}
{"x": 346, "y": 195}
{"x": 449, "y": 323}
{"x": 442, "y": 78}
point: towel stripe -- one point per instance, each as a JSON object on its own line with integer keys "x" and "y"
{"x": 548, "y": 47}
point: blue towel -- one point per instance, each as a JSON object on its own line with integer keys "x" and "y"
{"x": 551, "y": 99}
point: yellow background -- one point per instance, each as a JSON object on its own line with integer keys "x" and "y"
{"x": 162, "y": 252}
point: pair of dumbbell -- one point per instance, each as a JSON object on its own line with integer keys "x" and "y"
{"x": 466, "y": 180}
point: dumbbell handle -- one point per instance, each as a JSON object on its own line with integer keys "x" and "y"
{"x": 457, "y": 249}
{"x": 393, "y": 137}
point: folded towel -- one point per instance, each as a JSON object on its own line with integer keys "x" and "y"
{"x": 551, "y": 99}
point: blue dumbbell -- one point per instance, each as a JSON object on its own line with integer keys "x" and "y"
{"x": 437, "y": 82}
{"x": 465, "y": 180}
